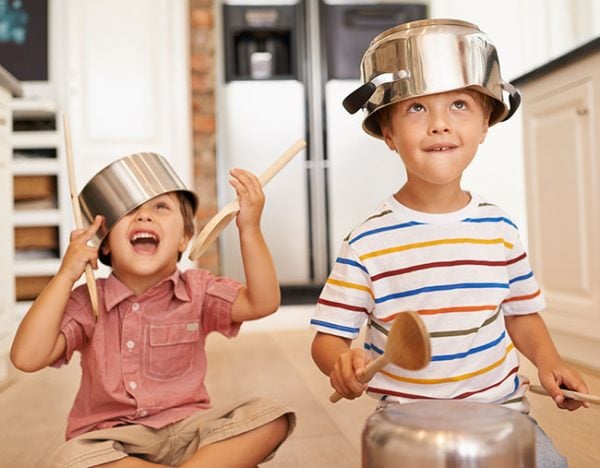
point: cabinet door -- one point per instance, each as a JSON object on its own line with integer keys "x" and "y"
{"x": 563, "y": 200}
{"x": 127, "y": 82}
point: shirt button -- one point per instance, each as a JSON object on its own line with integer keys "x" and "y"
{"x": 132, "y": 385}
{"x": 130, "y": 344}
{"x": 143, "y": 413}
{"x": 135, "y": 306}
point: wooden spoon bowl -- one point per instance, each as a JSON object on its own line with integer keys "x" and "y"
{"x": 408, "y": 346}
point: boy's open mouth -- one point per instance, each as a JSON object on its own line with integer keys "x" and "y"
{"x": 144, "y": 241}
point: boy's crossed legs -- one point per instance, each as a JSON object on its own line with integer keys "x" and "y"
{"x": 243, "y": 436}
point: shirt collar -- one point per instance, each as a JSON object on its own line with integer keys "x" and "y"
{"x": 116, "y": 292}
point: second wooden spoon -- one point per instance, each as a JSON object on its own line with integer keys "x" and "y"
{"x": 408, "y": 346}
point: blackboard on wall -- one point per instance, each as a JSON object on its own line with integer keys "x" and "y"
{"x": 24, "y": 38}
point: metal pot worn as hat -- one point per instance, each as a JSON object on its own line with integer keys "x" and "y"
{"x": 428, "y": 57}
{"x": 126, "y": 184}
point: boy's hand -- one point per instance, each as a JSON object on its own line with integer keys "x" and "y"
{"x": 348, "y": 373}
{"x": 251, "y": 197}
{"x": 79, "y": 253}
{"x": 558, "y": 375}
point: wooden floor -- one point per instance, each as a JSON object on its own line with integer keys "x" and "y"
{"x": 34, "y": 407}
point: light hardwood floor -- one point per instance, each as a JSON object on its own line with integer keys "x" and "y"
{"x": 34, "y": 407}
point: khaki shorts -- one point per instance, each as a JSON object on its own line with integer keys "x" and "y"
{"x": 173, "y": 444}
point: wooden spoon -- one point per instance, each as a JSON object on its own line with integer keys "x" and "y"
{"x": 408, "y": 346}
{"x": 89, "y": 273}
{"x": 569, "y": 394}
{"x": 218, "y": 222}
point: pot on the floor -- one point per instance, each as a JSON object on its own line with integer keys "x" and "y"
{"x": 457, "y": 434}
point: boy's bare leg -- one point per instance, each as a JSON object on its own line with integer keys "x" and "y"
{"x": 242, "y": 451}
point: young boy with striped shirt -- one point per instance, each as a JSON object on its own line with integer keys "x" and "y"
{"x": 435, "y": 248}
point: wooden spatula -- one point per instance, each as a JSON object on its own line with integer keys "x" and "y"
{"x": 218, "y": 222}
{"x": 408, "y": 346}
{"x": 569, "y": 394}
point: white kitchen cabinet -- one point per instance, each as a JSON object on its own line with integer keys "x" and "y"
{"x": 42, "y": 214}
{"x": 8, "y": 87}
{"x": 562, "y": 158}
{"x": 6, "y": 235}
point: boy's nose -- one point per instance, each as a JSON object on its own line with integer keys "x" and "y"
{"x": 143, "y": 215}
{"x": 439, "y": 124}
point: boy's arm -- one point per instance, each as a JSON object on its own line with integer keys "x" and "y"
{"x": 260, "y": 296}
{"x": 532, "y": 339}
{"x": 344, "y": 366}
{"x": 38, "y": 341}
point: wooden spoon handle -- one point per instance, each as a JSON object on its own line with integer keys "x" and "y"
{"x": 218, "y": 222}
{"x": 370, "y": 370}
{"x": 89, "y": 274}
{"x": 280, "y": 163}
{"x": 569, "y": 394}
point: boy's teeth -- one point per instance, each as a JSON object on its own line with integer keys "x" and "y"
{"x": 142, "y": 235}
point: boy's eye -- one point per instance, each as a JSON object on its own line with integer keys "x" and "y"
{"x": 460, "y": 104}
{"x": 161, "y": 206}
{"x": 416, "y": 107}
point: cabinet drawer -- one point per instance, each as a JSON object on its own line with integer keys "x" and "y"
{"x": 29, "y": 287}
{"x": 36, "y": 238}
{"x": 34, "y": 187}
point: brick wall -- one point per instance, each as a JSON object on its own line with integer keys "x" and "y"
{"x": 202, "y": 71}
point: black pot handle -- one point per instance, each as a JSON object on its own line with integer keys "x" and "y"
{"x": 514, "y": 99}
{"x": 357, "y": 98}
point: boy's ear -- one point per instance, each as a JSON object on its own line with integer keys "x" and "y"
{"x": 387, "y": 137}
{"x": 183, "y": 243}
{"x": 486, "y": 127}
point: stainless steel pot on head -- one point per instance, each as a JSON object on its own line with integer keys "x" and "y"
{"x": 126, "y": 184}
{"x": 441, "y": 434}
{"x": 428, "y": 57}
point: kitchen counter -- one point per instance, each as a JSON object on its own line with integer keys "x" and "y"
{"x": 561, "y": 61}
{"x": 10, "y": 83}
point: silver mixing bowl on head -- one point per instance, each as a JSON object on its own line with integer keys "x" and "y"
{"x": 428, "y": 57}
{"x": 448, "y": 433}
{"x": 126, "y": 184}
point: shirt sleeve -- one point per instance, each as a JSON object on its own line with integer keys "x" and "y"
{"x": 347, "y": 298}
{"x": 525, "y": 296}
{"x": 76, "y": 325}
{"x": 220, "y": 295}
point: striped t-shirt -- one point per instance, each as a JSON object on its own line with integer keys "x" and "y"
{"x": 462, "y": 272}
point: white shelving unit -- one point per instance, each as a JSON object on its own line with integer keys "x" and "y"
{"x": 38, "y": 151}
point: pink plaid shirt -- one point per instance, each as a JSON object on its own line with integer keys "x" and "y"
{"x": 143, "y": 361}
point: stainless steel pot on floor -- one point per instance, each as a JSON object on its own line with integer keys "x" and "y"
{"x": 456, "y": 434}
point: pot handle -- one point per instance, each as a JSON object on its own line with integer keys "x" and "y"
{"x": 357, "y": 98}
{"x": 514, "y": 99}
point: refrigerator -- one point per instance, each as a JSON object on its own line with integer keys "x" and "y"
{"x": 286, "y": 67}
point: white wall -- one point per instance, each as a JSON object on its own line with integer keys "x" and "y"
{"x": 527, "y": 35}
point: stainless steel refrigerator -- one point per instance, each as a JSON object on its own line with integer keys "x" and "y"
{"x": 286, "y": 68}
